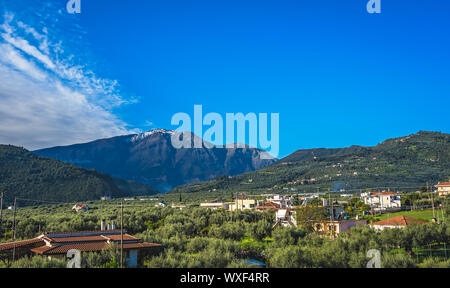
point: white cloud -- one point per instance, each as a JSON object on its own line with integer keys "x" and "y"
{"x": 45, "y": 100}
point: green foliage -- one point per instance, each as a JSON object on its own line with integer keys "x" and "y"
{"x": 196, "y": 237}
{"x": 35, "y": 262}
{"x": 435, "y": 263}
{"x": 401, "y": 162}
{"x": 399, "y": 260}
{"x": 109, "y": 258}
{"x": 24, "y": 174}
{"x": 307, "y": 216}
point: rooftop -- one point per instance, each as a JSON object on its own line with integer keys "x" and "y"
{"x": 382, "y": 193}
{"x": 399, "y": 221}
{"x": 84, "y": 241}
{"x": 442, "y": 184}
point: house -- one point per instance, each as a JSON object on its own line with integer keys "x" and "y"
{"x": 281, "y": 200}
{"x": 382, "y": 201}
{"x": 243, "y": 204}
{"x": 443, "y": 188}
{"x": 285, "y": 218}
{"x": 396, "y": 222}
{"x": 56, "y": 245}
{"x": 335, "y": 227}
{"x": 105, "y": 198}
{"x": 80, "y": 207}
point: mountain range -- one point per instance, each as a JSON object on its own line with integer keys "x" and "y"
{"x": 150, "y": 158}
{"x": 124, "y": 166}
{"x": 400, "y": 163}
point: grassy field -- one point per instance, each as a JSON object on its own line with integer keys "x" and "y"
{"x": 425, "y": 215}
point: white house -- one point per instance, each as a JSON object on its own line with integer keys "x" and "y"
{"x": 283, "y": 201}
{"x": 286, "y": 218}
{"x": 443, "y": 188}
{"x": 381, "y": 200}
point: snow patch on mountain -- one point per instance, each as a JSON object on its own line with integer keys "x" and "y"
{"x": 142, "y": 136}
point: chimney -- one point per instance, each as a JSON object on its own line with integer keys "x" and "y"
{"x": 102, "y": 225}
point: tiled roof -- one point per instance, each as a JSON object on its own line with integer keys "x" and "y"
{"x": 443, "y": 184}
{"x": 64, "y": 248}
{"x": 399, "y": 221}
{"x": 87, "y": 241}
{"x": 126, "y": 237}
{"x": 83, "y": 233}
{"x": 96, "y": 238}
{"x": 382, "y": 193}
{"x": 140, "y": 245}
{"x": 18, "y": 244}
{"x": 88, "y": 247}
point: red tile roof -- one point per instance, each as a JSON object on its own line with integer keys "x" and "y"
{"x": 399, "y": 221}
{"x": 443, "y": 184}
{"x": 87, "y": 241}
{"x": 126, "y": 237}
{"x": 382, "y": 193}
{"x": 96, "y": 238}
{"x": 140, "y": 245}
{"x": 89, "y": 232}
{"x": 18, "y": 244}
{"x": 64, "y": 248}
{"x": 88, "y": 247}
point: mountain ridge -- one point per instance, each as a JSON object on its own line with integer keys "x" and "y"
{"x": 401, "y": 161}
{"x": 150, "y": 158}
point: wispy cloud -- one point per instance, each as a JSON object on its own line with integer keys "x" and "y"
{"x": 46, "y": 98}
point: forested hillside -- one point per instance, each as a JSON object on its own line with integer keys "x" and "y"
{"x": 396, "y": 163}
{"x": 26, "y": 175}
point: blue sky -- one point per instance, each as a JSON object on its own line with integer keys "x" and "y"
{"x": 337, "y": 75}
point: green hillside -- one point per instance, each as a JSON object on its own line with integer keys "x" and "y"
{"x": 400, "y": 162}
{"x": 26, "y": 175}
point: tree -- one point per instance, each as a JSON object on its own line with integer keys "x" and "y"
{"x": 308, "y": 215}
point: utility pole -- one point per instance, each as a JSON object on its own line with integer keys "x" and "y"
{"x": 432, "y": 200}
{"x": 121, "y": 234}
{"x": 1, "y": 210}
{"x": 231, "y": 206}
{"x": 14, "y": 228}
